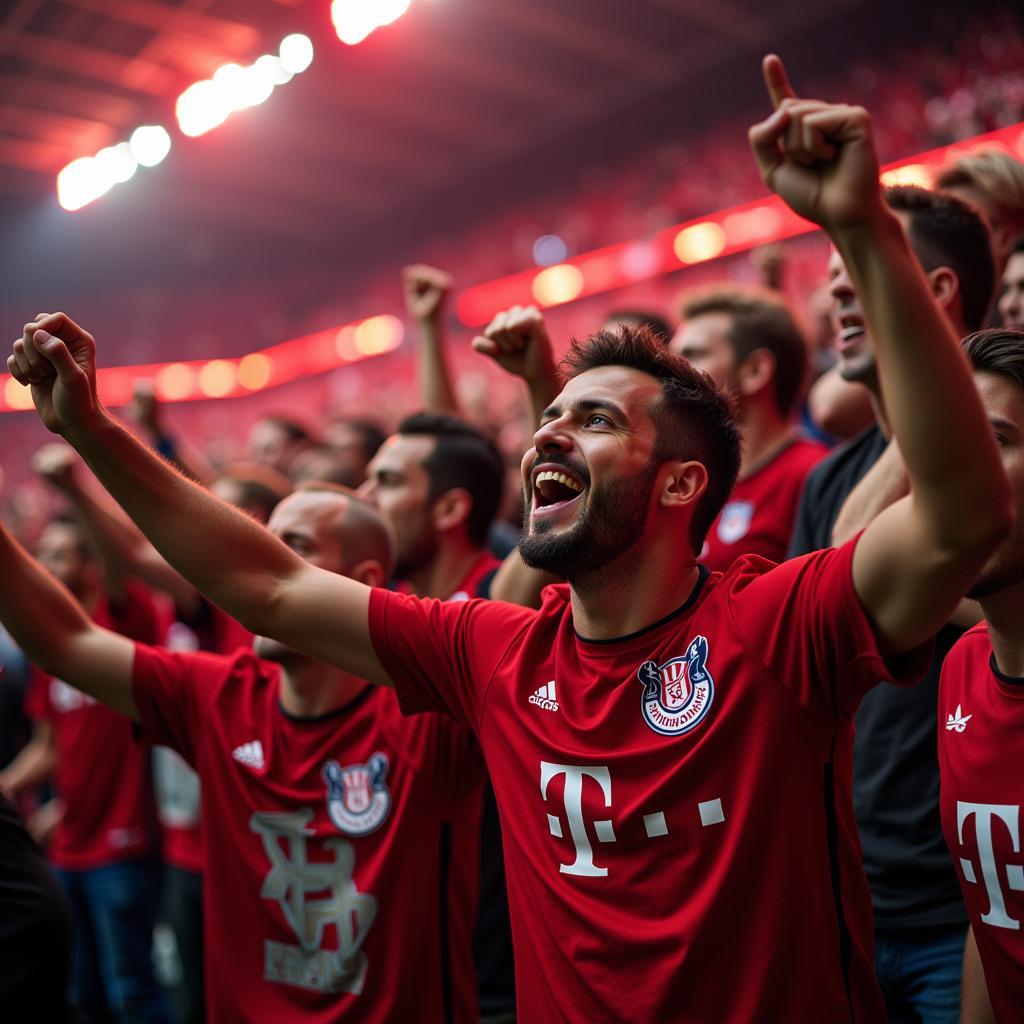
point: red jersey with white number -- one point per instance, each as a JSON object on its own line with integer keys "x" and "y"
{"x": 675, "y": 805}
{"x": 981, "y": 753}
{"x": 102, "y": 775}
{"x": 759, "y": 515}
{"x": 339, "y": 851}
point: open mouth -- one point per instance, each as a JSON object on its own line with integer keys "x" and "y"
{"x": 851, "y": 331}
{"x": 554, "y": 490}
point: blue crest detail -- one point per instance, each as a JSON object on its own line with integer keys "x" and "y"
{"x": 358, "y": 799}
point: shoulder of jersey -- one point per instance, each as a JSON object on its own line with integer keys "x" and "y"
{"x": 554, "y": 596}
{"x": 976, "y": 633}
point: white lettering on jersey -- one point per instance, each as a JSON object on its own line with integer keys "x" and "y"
{"x": 573, "y": 796}
{"x": 290, "y": 878}
{"x": 546, "y": 697}
{"x": 984, "y": 815}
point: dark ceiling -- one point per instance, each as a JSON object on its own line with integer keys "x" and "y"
{"x": 431, "y": 120}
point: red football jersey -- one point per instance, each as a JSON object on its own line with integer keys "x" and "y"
{"x": 758, "y": 517}
{"x": 339, "y": 851}
{"x": 177, "y": 786}
{"x": 981, "y": 751}
{"x": 102, "y": 775}
{"x": 675, "y": 805}
{"x": 486, "y": 565}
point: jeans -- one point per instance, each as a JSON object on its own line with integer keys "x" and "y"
{"x": 114, "y": 909}
{"x": 183, "y": 909}
{"x": 919, "y": 970}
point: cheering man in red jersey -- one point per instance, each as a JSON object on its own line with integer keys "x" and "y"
{"x": 981, "y": 723}
{"x": 670, "y": 752}
{"x": 339, "y": 838}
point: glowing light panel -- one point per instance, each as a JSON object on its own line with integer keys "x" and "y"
{"x": 354, "y": 20}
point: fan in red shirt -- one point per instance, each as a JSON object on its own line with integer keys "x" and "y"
{"x": 105, "y": 840}
{"x": 749, "y": 342}
{"x": 339, "y": 837}
{"x": 981, "y": 723}
{"x": 675, "y": 801}
{"x": 197, "y": 624}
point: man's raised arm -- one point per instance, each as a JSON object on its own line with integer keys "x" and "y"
{"x": 57, "y": 635}
{"x": 226, "y": 555}
{"x": 916, "y": 559}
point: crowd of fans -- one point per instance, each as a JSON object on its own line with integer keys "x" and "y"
{"x": 961, "y": 81}
{"x": 422, "y": 478}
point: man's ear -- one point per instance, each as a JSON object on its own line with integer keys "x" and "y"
{"x": 755, "y": 373}
{"x": 682, "y": 484}
{"x": 368, "y": 571}
{"x": 450, "y": 509}
{"x": 945, "y": 286}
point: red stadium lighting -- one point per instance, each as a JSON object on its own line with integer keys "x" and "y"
{"x": 354, "y": 20}
{"x": 710, "y": 237}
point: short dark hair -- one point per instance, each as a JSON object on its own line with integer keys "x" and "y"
{"x": 291, "y": 428}
{"x": 997, "y": 350}
{"x": 946, "y": 232}
{"x": 759, "y": 319}
{"x": 657, "y": 323}
{"x": 1017, "y": 247}
{"x": 260, "y": 487}
{"x": 694, "y": 419}
{"x": 463, "y": 458}
{"x": 371, "y": 437}
{"x": 73, "y": 521}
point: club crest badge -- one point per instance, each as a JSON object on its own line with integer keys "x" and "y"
{"x": 734, "y": 521}
{"x": 358, "y": 798}
{"x": 678, "y": 694}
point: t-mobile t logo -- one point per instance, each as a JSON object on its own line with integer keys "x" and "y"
{"x": 984, "y": 820}
{"x": 573, "y": 797}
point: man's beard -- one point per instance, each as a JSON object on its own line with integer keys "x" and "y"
{"x": 1001, "y": 572}
{"x": 611, "y": 522}
{"x": 416, "y": 553}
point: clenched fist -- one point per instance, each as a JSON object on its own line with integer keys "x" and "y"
{"x": 518, "y": 341}
{"x": 57, "y": 358}
{"x": 426, "y": 289}
{"x": 818, "y": 157}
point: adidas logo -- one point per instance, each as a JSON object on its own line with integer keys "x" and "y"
{"x": 545, "y": 697}
{"x": 957, "y": 721}
{"x": 250, "y": 754}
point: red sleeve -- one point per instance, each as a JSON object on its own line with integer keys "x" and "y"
{"x": 136, "y": 615}
{"x": 807, "y": 624}
{"x": 441, "y": 655}
{"x": 37, "y": 697}
{"x": 173, "y": 693}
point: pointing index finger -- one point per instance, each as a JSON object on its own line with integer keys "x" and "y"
{"x": 776, "y": 80}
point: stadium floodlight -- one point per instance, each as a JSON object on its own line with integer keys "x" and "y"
{"x": 354, "y": 20}
{"x": 296, "y": 53}
{"x": 205, "y": 105}
{"x": 270, "y": 67}
{"x": 116, "y": 163}
{"x": 81, "y": 182}
{"x": 149, "y": 144}
{"x": 201, "y": 108}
